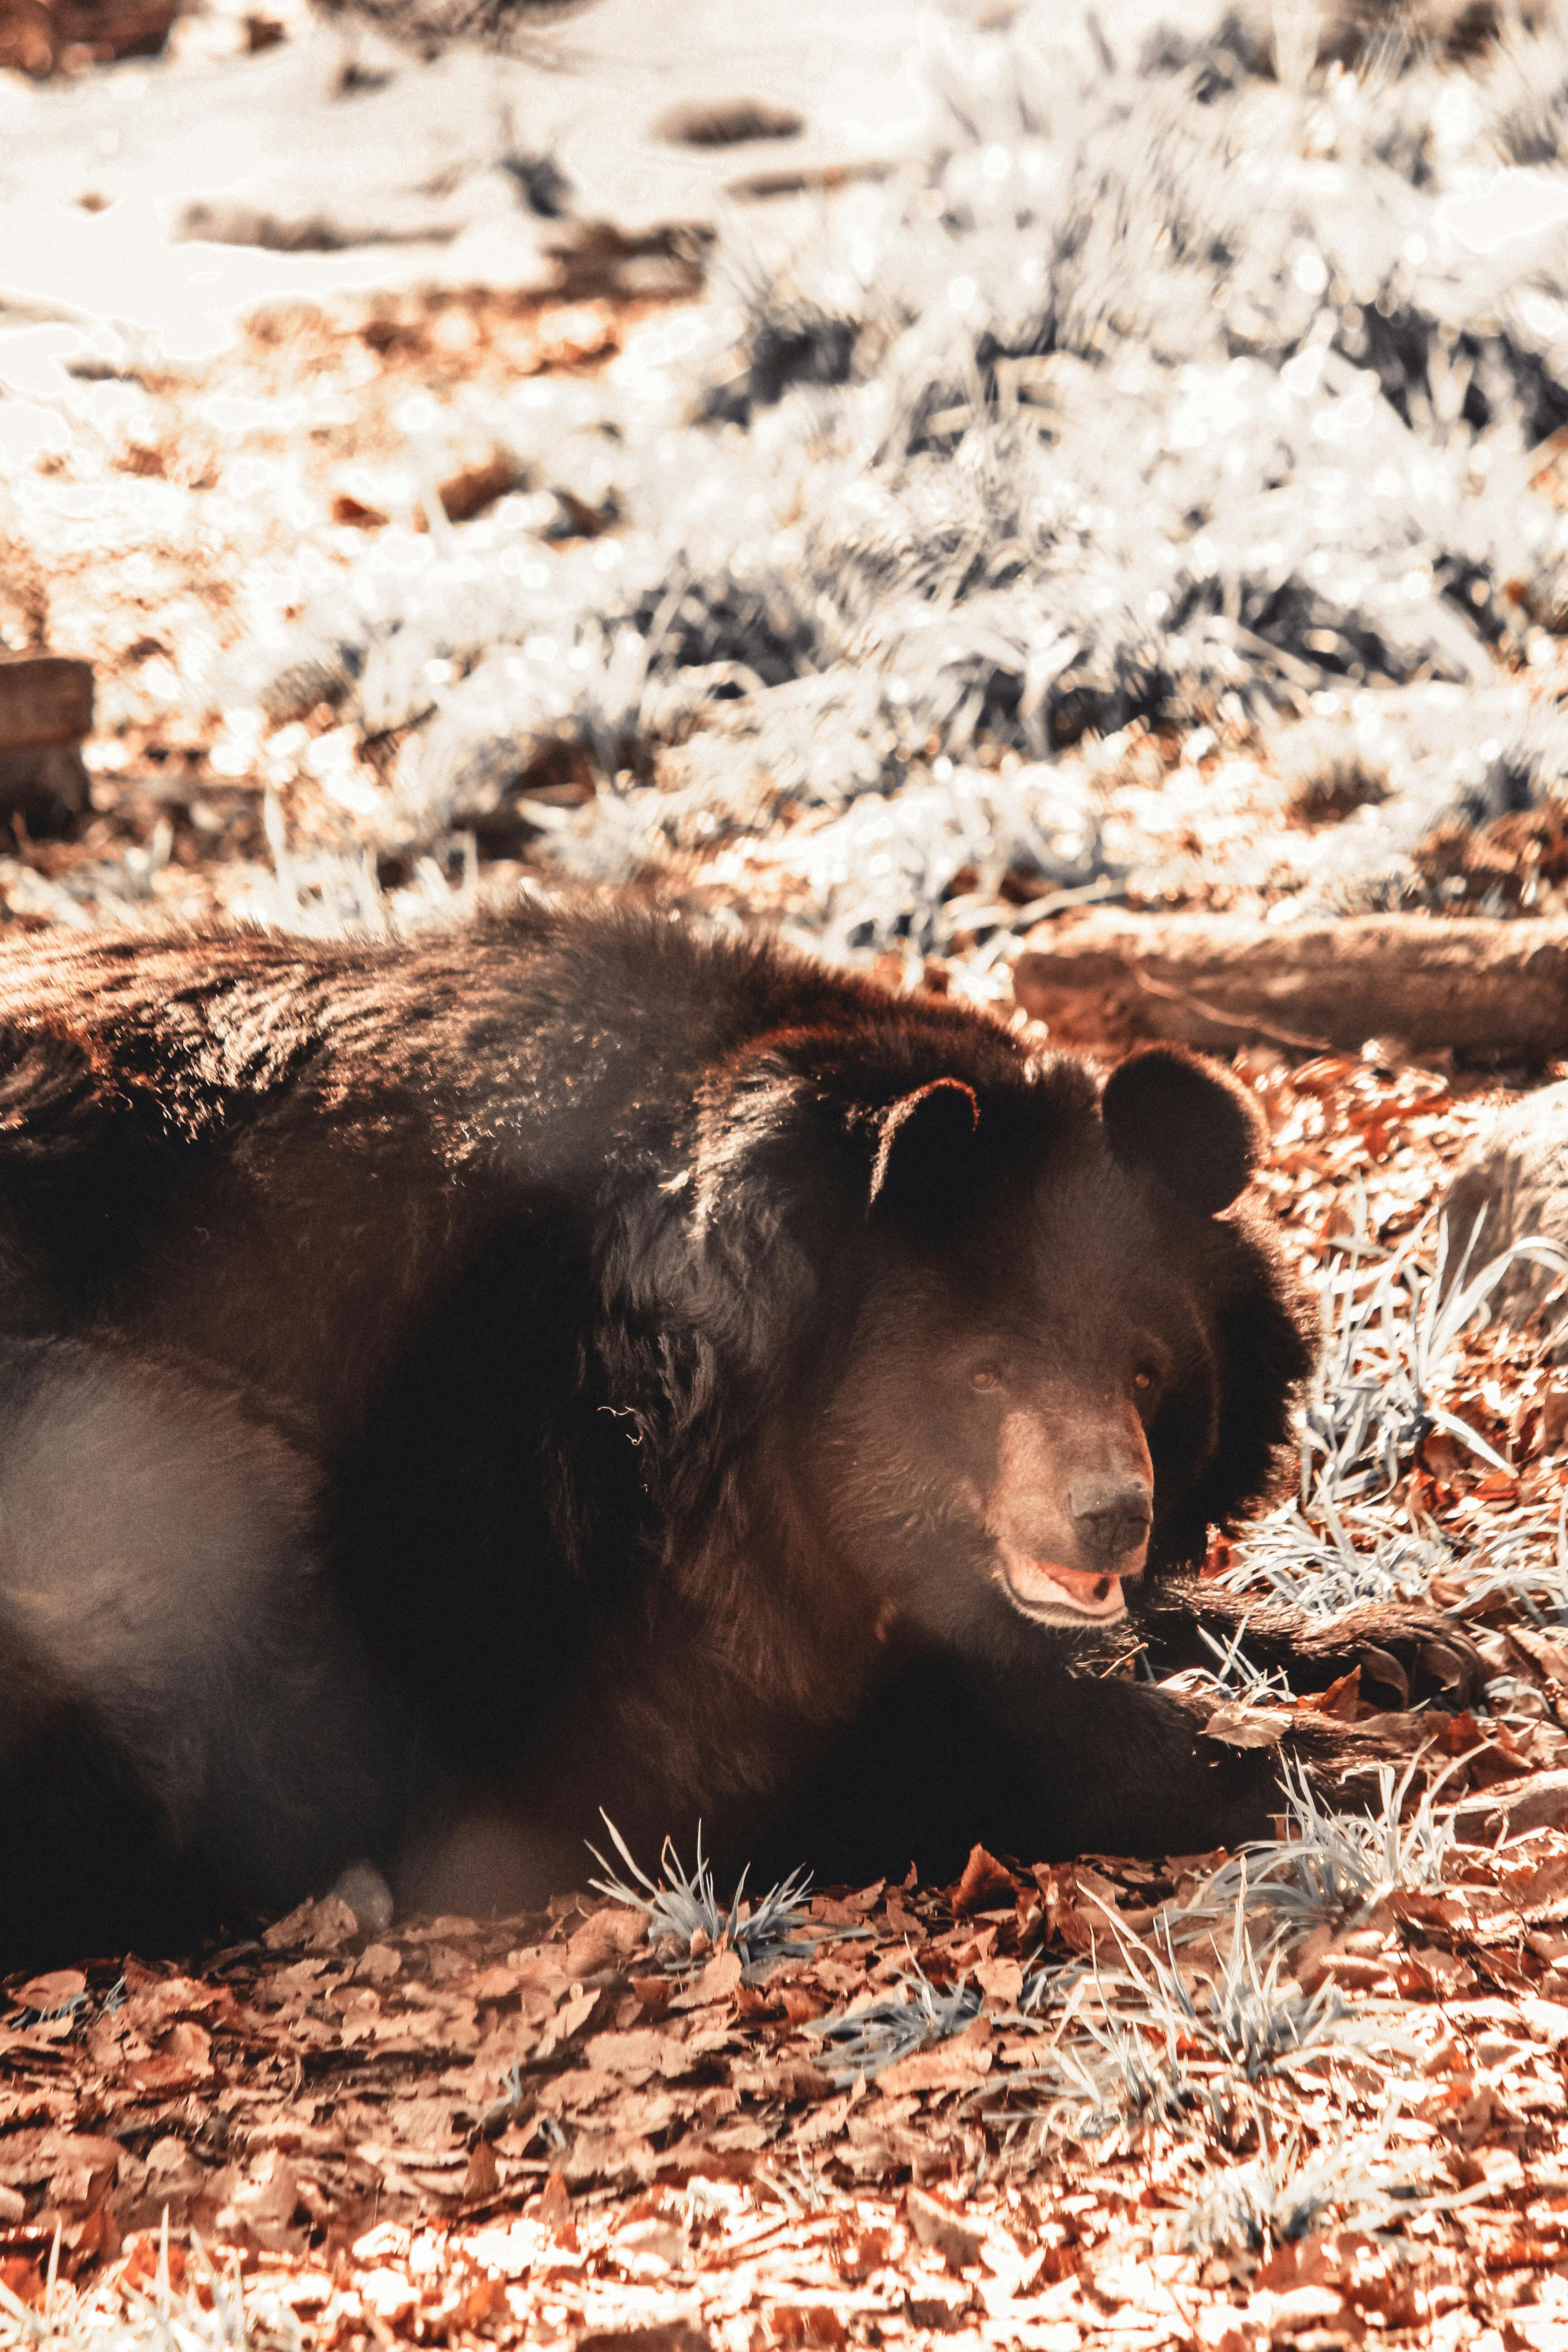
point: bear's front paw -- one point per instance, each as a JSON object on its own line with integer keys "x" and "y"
{"x": 1406, "y": 1653}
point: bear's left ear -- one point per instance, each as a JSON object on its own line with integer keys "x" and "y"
{"x": 923, "y": 1151}
{"x": 1186, "y": 1122}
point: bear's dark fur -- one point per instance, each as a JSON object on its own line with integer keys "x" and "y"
{"x": 580, "y": 1361}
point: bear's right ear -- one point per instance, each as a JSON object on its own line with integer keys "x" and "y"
{"x": 923, "y": 1150}
{"x": 1186, "y": 1122}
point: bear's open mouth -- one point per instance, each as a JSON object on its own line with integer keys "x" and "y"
{"x": 1043, "y": 1588}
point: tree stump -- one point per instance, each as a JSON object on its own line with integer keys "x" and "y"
{"x": 46, "y": 713}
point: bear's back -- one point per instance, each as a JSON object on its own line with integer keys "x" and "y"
{"x": 280, "y": 1153}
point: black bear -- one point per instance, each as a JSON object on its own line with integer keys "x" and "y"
{"x": 590, "y": 1360}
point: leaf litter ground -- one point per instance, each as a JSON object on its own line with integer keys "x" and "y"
{"x": 1308, "y": 2093}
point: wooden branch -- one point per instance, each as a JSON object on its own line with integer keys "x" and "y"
{"x": 1222, "y": 981}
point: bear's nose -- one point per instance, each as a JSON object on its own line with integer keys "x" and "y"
{"x": 1111, "y": 1517}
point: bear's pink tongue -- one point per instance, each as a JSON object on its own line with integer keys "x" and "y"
{"x": 1044, "y": 1580}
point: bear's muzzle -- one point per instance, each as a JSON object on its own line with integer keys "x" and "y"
{"x": 1055, "y": 1595}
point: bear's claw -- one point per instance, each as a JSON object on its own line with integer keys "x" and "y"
{"x": 1406, "y": 1653}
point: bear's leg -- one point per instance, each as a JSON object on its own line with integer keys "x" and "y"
{"x": 483, "y": 1858}
{"x": 1032, "y": 1762}
{"x": 1117, "y": 1767}
{"x": 90, "y": 1864}
{"x": 1406, "y": 1651}
{"x": 186, "y": 1727}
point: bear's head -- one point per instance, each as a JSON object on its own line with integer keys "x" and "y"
{"x": 1016, "y": 1336}
{"x": 1071, "y": 1350}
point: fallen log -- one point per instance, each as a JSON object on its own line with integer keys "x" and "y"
{"x": 1222, "y": 981}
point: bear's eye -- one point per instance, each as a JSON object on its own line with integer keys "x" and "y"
{"x": 1145, "y": 1382}
{"x": 986, "y": 1379}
